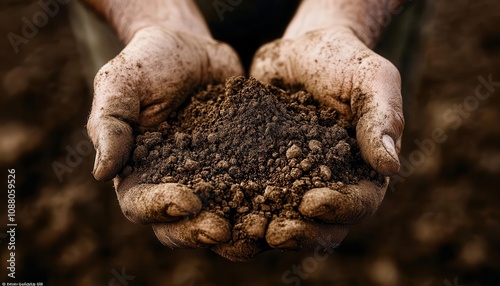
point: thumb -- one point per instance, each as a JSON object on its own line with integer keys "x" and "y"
{"x": 113, "y": 142}
{"x": 378, "y": 107}
{"x": 113, "y": 109}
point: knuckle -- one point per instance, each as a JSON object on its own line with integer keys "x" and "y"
{"x": 271, "y": 62}
{"x": 398, "y": 124}
{"x": 269, "y": 50}
{"x": 388, "y": 70}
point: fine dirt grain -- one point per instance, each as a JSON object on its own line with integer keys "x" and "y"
{"x": 246, "y": 147}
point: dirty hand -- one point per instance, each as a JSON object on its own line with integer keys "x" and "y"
{"x": 135, "y": 92}
{"x": 341, "y": 72}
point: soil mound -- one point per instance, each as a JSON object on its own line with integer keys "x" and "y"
{"x": 246, "y": 147}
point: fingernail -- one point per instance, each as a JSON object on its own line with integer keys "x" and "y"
{"x": 174, "y": 210}
{"x": 389, "y": 146}
{"x": 205, "y": 239}
{"x": 289, "y": 244}
{"x": 96, "y": 163}
{"x": 388, "y": 167}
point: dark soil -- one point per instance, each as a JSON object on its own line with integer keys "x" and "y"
{"x": 246, "y": 147}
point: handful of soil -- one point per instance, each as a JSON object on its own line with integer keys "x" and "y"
{"x": 249, "y": 148}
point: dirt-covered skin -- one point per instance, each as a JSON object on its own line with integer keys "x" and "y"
{"x": 251, "y": 151}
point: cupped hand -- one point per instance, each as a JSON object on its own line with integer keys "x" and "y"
{"x": 341, "y": 72}
{"x": 148, "y": 80}
{"x": 135, "y": 92}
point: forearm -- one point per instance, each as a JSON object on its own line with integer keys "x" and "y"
{"x": 366, "y": 18}
{"x": 129, "y": 16}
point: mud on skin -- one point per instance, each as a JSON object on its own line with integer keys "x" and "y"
{"x": 251, "y": 149}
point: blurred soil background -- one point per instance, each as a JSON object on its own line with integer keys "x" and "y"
{"x": 438, "y": 225}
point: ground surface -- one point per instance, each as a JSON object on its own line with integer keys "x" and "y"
{"x": 439, "y": 224}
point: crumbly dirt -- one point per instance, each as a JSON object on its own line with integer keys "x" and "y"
{"x": 246, "y": 147}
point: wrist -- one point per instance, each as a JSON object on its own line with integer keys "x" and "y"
{"x": 152, "y": 27}
{"x": 364, "y": 18}
{"x": 130, "y": 16}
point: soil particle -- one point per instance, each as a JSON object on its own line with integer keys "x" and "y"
{"x": 250, "y": 148}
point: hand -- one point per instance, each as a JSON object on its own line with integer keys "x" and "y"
{"x": 148, "y": 80}
{"x": 135, "y": 92}
{"x": 343, "y": 73}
